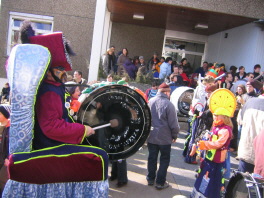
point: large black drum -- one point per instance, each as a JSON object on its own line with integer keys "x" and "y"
{"x": 125, "y": 105}
{"x": 181, "y": 98}
{"x": 244, "y": 185}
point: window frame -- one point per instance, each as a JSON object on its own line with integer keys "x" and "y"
{"x": 26, "y": 16}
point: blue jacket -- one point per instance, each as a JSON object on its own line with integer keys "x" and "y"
{"x": 164, "y": 123}
{"x": 165, "y": 70}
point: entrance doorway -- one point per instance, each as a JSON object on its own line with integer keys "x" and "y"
{"x": 178, "y": 49}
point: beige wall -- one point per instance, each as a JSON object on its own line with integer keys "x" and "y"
{"x": 75, "y": 18}
{"x": 139, "y": 40}
{"x": 246, "y": 8}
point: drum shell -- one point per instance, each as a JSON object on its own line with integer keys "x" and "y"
{"x": 127, "y": 106}
{"x": 182, "y": 96}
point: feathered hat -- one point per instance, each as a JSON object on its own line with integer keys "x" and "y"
{"x": 55, "y": 42}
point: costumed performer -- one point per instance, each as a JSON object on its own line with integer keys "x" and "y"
{"x": 210, "y": 182}
{"x": 61, "y": 166}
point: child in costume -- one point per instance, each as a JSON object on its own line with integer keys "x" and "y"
{"x": 209, "y": 183}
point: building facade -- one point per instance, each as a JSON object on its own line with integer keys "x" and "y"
{"x": 229, "y": 32}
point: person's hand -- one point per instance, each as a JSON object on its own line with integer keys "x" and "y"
{"x": 6, "y": 162}
{"x": 174, "y": 140}
{"x": 89, "y": 130}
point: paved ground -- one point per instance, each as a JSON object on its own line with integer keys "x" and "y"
{"x": 180, "y": 176}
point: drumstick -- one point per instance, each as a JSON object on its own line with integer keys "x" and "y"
{"x": 113, "y": 123}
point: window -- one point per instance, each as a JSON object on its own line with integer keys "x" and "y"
{"x": 178, "y": 49}
{"x": 41, "y": 25}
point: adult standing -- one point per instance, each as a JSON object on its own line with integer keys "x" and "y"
{"x": 109, "y": 62}
{"x": 165, "y": 68}
{"x": 252, "y": 116}
{"x": 120, "y": 62}
{"x": 153, "y": 61}
{"x": 164, "y": 131}
{"x": 77, "y": 76}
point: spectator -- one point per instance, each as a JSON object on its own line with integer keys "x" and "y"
{"x": 142, "y": 65}
{"x": 241, "y": 90}
{"x": 120, "y": 62}
{"x": 241, "y": 74}
{"x": 5, "y": 92}
{"x": 153, "y": 60}
{"x": 187, "y": 69}
{"x": 154, "y": 72}
{"x": 130, "y": 68}
{"x": 178, "y": 75}
{"x": 162, "y": 60}
{"x": 77, "y": 76}
{"x": 164, "y": 131}
{"x": 165, "y": 68}
{"x": 233, "y": 70}
{"x": 109, "y": 62}
{"x": 136, "y": 61}
{"x": 252, "y": 115}
{"x": 186, "y": 80}
{"x": 109, "y": 78}
{"x": 228, "y": 81}
{"x": 250, "y": 92}
{"x": 4, "y": 144}
{"x": 249, "y": 77}
{"x": 258, "y": 75}
{"x": 151, "y": 92}
{"x": 259, "y": 148}
{"x": 114, "y": 58}
{"x": 202, "y": 70}
{"x": 74, "y": 91}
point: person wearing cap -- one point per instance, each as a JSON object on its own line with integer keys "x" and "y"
{"x": 250, "y": 91}
{"x": 164, "y": 131}
{"x": 4, "y": 147}
{"x": 209, "y": 182}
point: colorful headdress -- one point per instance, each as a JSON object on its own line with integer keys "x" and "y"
{"x": 222, "y": 102}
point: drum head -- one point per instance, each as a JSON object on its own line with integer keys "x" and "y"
{"x": 126, "y": 106}
{"x": 181, "y": 98}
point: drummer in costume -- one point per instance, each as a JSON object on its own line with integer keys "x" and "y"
{"x": 59, "y": 166}
{"x": 210, "y": 182}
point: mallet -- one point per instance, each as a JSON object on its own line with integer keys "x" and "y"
{"x": 112, "y": 123}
